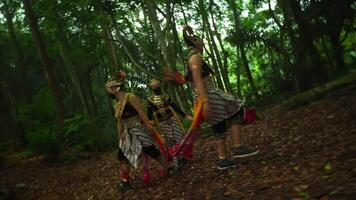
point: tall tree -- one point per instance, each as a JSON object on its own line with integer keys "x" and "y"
{"x": 241, "y": 46}
{"x": 45, "y": 59}
{"x": 210, "y": 39}
{"x": 223, "y": 65}
{"x": 303, "y": 78}
{"x": 65, "y": 49}
{"x": 168, "y": 53}
{"x": 306, "y": 39}
{"x": 8, "y": 12}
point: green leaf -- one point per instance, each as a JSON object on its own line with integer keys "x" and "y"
{"x": 327, "y": 167}
{"x": 304, "y": 194}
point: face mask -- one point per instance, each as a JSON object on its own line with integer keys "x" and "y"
{"x": 157, "y": 90}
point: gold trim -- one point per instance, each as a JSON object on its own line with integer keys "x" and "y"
{"x": 120, "y": 105}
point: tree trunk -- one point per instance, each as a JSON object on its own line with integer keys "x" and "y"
{"x": 224, "y": 66}
{"x": 182, "y": 98}
{"x": 338, "y": 49}
{"x": 151, "y": 12}
{"x": 183, "y": 12}
{"x": 88, "y": 83}
{"x": 9, "y": 120}
{"x": 332, "y": 67}
{"x": 178, "y": 45}
{"x": 238, "y": 75}
{"x": 64, "y": 49}
{"x": 108, "y": 100}
{"x": 247, "y": 70}
{"x": 167, "y": 51}
{"x": 46, "y": 62}
{"x": 120, "y": 38}
{"x": 206, "y": 27}
{"x": 21, "y": 63}
{"x": 302, "y": 77}
{"x": 212, "y": 44}
{"x": 111, "y": 48}
{"x": 306, "y": 38}
{"x": 215, "y": 65}
{"x": 241, "y": 48}
{"x": 283, "y": 51}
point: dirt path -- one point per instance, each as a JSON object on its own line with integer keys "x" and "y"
{"x": 306, "y": 153}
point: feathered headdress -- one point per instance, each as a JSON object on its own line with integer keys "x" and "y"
{"x": 117, "y": 79}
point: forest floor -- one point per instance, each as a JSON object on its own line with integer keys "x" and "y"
{"x": 305, "y": 153}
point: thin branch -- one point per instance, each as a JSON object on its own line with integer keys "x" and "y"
{"x": 161, "y": 11}
{"x": 136, "y": 64}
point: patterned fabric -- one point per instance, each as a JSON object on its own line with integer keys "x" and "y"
{"x": 222, "y": 104}
{"x": 136, "y": 137}
{"x": 172, "y": 131}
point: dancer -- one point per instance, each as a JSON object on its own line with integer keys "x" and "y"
{"x": 219, "y": 107}
{"x": 163, "y": 111}
{"x": 134, "y": 130}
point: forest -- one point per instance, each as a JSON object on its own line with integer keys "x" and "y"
{"x": 292, "y": 60}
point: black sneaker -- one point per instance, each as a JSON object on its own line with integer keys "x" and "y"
{"x": 170, "y": 171}
{"x": 242, "y": 151}
{"x": 124, "y": 186}
{"x": 226, "y": 163}
{"x": 181, "y": 162}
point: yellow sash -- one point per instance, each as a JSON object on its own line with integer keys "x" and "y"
{"x": 120, "y": 104}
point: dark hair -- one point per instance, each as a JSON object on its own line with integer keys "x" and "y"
{"x": 188, "y": 40}
{"x": 123, "y": 87}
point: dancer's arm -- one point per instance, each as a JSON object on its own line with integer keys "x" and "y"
{"x": 195, "y": 64}
{"x": 135, "y": 102}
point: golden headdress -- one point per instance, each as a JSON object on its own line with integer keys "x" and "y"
{"x": 117, "y": 79}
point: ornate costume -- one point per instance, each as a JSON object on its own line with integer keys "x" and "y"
{"x": 164, "y": 111}
{"x": 223, "y": 105}
{"x": 136, "y": 135}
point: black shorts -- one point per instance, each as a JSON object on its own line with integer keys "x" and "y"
{"x": 220, "y": 128}
{"x": 151, "y": 150}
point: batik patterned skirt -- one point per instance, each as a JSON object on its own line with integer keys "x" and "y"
{"x": 136, "y": 137}
{"x": 172, "y": 131}
{"x": 223, "y": 105}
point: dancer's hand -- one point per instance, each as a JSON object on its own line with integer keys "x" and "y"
{"x": 174, "y": 76}
{"x": 189, "y": 117}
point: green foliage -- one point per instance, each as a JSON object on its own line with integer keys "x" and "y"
{"x": 327, "y": 167}
{"x": 84, "y": 134}
{"x": 24, "y": 154}
{"x": 104, "y": 36}
{"x": 72, "y": 129}
{"x": 47, "y": 142}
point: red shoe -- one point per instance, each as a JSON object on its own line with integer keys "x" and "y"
{"x": 162, "y": 173}
{"x": 146, "y": 177}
